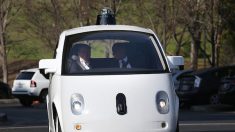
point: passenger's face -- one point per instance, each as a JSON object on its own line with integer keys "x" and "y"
{"x": 85, "y": 53}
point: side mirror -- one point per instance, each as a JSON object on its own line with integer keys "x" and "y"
{"x": 48, "y": 64}
{"x": 176, "y": 63}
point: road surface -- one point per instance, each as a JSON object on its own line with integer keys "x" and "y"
{"x": 34, "y": 119}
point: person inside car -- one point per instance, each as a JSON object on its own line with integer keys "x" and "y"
{"x": 120, "y": 53}
{"x": 80, "y": 60}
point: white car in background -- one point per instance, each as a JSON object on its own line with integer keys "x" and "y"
{"x": 30, "y": 85}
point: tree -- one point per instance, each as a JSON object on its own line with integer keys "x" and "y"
{"x": 227, "y": 14}
{"x": 6, "y": 15}
{"x": 214, "y": 29}
{"x": 193, "y": 14}
{"x": 45, "y": 19}
{"x": 179, "y": 29}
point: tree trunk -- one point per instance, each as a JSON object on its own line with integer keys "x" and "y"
{"x": 3, "y": 58}
{"x": 195, "y": 44}
{"x": 5, "y": 68}
{"x": 194, "y": 55}
{"x": 4, "y": 10}
{"x": 213, "y": 49}
{"x": 218, "y": 45}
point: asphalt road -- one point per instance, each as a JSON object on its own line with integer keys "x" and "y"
{"x": 23, "y": 119}
{"x": 207, "y": 121}
{"x": 34, "y": 119}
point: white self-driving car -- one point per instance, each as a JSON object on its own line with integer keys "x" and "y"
{"x": 105, "y": 97}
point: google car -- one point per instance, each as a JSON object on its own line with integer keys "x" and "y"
{"x": 105, "y": 97}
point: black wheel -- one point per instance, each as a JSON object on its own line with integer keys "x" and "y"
{"x": 27, "y": 102}
{"x": 214, "y": 99}
{"x": 43, "y": 95}
{"x": 57, "y": 125}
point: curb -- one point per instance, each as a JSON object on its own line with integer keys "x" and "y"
{"x": 9, "y": 101}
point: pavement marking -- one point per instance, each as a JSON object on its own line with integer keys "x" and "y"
{"x": 23, "y": 127}
{"x": 206, "y": 124}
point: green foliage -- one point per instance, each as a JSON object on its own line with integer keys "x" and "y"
{"x": 33, "y": 32}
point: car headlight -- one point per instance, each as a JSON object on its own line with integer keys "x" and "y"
{"x": 162, "y": 101}
{"x": 77, "y": 104}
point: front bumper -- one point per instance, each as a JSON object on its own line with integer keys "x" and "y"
{"x": 133, "y": 126}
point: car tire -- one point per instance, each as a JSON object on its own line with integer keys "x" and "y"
{"x": 43, "y": 96}
{"x": 26, "y": 102}
{"x": 57, "y": 125}
{"x": 214, "y": 99}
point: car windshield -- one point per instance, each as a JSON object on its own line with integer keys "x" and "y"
{"x": 112, "y": 52}
{"x": 25, "y": 76}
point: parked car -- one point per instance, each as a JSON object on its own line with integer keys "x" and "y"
{"x": 201, "y": 87}
{"x": 227, "y": 87}
{"x": 177, "y": 75}
{"x": 105, "y": 97}
{"x": 4, "y": 90}
{"x": 227, "y": 90}
{"x": 30, "y": 85}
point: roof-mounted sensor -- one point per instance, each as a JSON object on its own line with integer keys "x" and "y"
{"x": 106, "y": 17}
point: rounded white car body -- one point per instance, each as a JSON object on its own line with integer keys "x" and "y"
{"x": 107, "y": 98}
